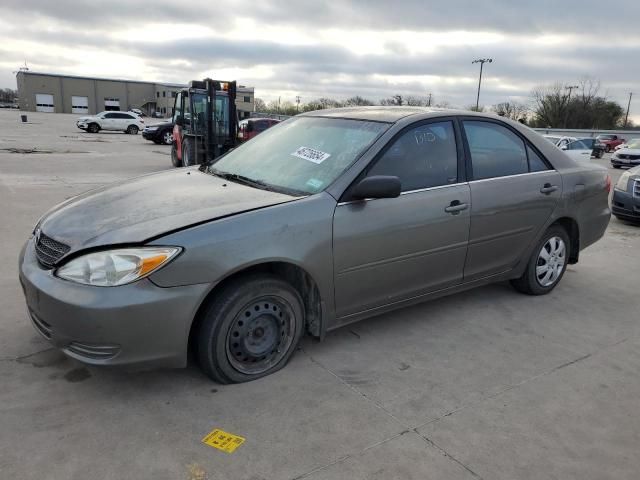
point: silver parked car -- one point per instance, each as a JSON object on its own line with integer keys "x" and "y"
{"x": 320, "y": 221}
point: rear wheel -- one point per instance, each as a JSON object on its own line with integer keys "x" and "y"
{"x": 93, "y": 128}
{"x": 132, "y": 130}
{"x": 547, "y": 264}
{"x": 250, "y": 329}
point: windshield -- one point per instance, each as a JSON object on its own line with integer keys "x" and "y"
{"x": 303, "y": 155}
{"x": 200, "y": 112}
{"x": 633, "y": 144}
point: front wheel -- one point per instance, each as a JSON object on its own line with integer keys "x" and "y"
{"x": 93, "y": 128}
{"x": 175, "y": 161}
{"x": 547, "y": 263}
{"x": 250, "y": 329}
{"x": 188, "y": 152}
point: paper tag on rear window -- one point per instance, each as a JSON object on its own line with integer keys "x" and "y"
{"x": 315, "y": 156}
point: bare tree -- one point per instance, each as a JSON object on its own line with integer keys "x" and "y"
{"x": 513, "y": 110}
{"x": 357, "y": 101}
{"x": 259, "y": 105}
{"x": 555, "y": 106}
{"x": 396, "y": 100}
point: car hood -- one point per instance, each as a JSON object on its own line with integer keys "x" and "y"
{"x": 629, "y": 151}
{"x": 137, "y": 210}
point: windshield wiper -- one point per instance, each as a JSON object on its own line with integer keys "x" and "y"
{"x": 234, "y": 177}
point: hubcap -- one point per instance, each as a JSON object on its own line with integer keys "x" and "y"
{"x": 551, "y": 261}
{"x": 260, "y": 335}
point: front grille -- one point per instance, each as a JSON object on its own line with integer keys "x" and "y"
{"x": 636, "y": 188}
{"x": 49, "y": 251}
{"x": 625, "y": 156}
{"x": 94, "y": 351}
{"x": 41, "y": 326}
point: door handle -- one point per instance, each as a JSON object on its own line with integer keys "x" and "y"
{"x": 547, "y": 188}
{"x": 456, "y": 207}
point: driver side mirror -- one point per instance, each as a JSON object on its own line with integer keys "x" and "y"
{"x": 377, "y": 186}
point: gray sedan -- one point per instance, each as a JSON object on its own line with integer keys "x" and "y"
{"x": 323, "y": 220}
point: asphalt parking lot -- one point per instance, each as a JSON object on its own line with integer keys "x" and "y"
{"x": 486, "y": 384}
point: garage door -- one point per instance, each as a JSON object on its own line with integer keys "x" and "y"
{"x": 79, "y": 104}
{"x": 44, "y": 102}
{"x": 112, "y": 104}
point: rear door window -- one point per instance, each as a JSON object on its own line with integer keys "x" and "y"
{"x": 495, "y": 150}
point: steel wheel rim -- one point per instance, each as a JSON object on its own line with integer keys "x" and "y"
{"x": 260, "y": 335}
{"x": 551, "y": 261}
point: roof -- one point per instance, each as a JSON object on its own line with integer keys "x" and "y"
{"x": 80, "y": 77}
{"x": 383, "y": 114}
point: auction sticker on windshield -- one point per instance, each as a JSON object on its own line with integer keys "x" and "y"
{"x": 315, "y": 156}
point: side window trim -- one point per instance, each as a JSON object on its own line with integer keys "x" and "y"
{"x": 467, "y": 150}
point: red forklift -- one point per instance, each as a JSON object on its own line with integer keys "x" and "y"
{"x": 205, "y": 122}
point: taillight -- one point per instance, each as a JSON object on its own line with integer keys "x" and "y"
{"x": 608, "y": 183}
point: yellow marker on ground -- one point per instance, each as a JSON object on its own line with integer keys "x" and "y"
{"x": 227, "y": 442}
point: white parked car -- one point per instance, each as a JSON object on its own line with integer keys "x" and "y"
{"x": 635, "y": 143}
{"x": 119, "y": 121}
{"x": 578, "y": 150}
{"x": 560, "y": 140}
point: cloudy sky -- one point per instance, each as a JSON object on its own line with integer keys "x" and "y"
{"x": 338, "y": 48}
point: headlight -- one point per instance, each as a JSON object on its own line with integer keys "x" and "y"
{"x": 623, "y": 181}
{"x": 151, "y": 129}
{"x": 116, "y": 267}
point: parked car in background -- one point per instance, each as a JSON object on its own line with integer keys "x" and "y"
{"x": 597, "y": 148}
{"x": 559, "y": 140}
{"x": 138, "y": 112}
{"x": 250, "y": 127}
{"x": 335, "y": 216}
{"x": 610, "y": 141}
{"x": 578, "y": 150}
{"x": 115, "y": 121}
{"x": 626, "y": 196}
{"x": 626, "y": 157}
{"x": 159, "y": 133}
{"x": 634, "y": 143}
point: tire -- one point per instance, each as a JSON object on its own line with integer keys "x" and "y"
{"x": 188, "y": 152}
{"x": 132, "y": 130}
{"x": 250, "y": 329}
{"x": 174, "y": 156}
{"x": 167, "y": 137}
{"x": 93, "y": 128}
{"x": 608, "y": 149}
{"x": 616, "y": 166}
{"x": 538, "y": 280}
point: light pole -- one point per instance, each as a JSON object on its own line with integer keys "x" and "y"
{"x": 626, "y": 117}
{"x": 297, "y": 103}
{"x": 481, "y": 61}
{"x": 566, "y": 115}
{"x": 429, "y": 101}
